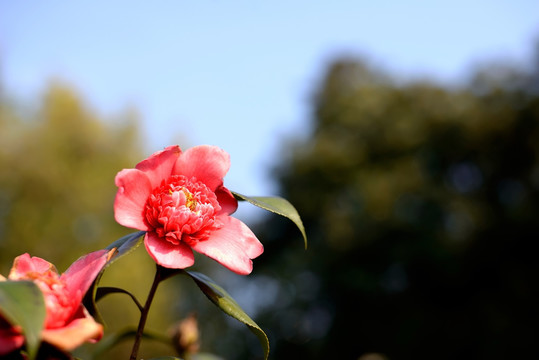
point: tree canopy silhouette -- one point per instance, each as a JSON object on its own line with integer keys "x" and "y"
{"x": 421, "y": 204}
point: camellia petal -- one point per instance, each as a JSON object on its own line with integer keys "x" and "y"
{"x": 233, "y": 245}
{"x": 228, "y": 202}
{"x": 25, "y": 263}
{"x": 167, "y": 254}
{"x": 134, "y": 188}
{"x": 209, "y": 164}
{"x": 82, "y": 272}
{"x": 76, "y": 333}
{"x": 10, "y": 339}
{"x": 159, "y": 165}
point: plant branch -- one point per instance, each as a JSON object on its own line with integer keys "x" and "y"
{"x": 144, "y": 314}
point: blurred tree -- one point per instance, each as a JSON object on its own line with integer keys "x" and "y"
{"x": 421, "y": 206}
{"x": 57, "y": 180}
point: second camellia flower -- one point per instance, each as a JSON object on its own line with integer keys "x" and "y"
{"x": 67, "y": 323}
{"x": 179, "y": 199}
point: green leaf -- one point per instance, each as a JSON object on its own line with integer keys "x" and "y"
{"x": 122, "y": 247}
{"x": 22, "y": 303}
{"x": 106, "y": 290}
{"x": 125, "y": 245}
{"x": 229, "y": 306}
{"x": 166, "y": 358}
{"x": 278, "y": 206}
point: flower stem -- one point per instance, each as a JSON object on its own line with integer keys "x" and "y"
{"x": 144, "y": 314}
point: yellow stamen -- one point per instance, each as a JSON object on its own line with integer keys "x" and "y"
{"x": 190, "y": 200}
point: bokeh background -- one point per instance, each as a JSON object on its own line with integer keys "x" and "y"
{"x": 405, "y": 133}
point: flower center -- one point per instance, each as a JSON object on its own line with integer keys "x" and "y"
{"x": 182, "y": 209}
{"x": 190, "y": 200}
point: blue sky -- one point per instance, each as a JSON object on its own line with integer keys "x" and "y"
{"x": 239, "y": 74}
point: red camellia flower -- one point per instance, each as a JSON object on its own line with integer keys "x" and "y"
{"x": 67, "y": 322}
{"x": 179, "y": 199}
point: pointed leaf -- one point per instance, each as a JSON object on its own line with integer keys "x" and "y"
{"x": 22, "y": 304}
{"x": 229, "y": 306}
{"x": 125, "y": 245}
{"x": 278, "y": 206}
